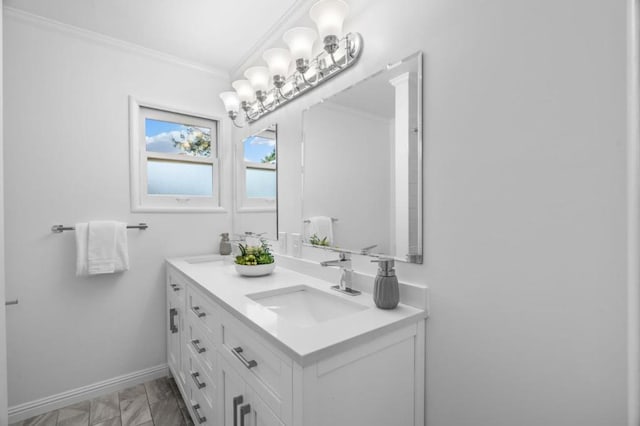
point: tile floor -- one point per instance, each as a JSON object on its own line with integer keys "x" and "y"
{"x": 155, "y": 403}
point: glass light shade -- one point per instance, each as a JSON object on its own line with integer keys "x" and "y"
{"x": 300, "y": 41}
{"x": 231, "y": 101}
{"x": 258, "y": 77}
{"x": 244, "y": 90}
{"x": 329, "y": 16}
{"x": 277, "y": 60}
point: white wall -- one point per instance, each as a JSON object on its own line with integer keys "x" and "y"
{"x": 524, "y": 174}
{"x": 66, "y": 113}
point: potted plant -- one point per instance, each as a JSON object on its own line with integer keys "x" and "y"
{"x": 255, "y": 261}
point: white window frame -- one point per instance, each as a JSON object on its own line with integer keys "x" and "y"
{"x": 245, "y": 204}
{"x": 141, "y": 201}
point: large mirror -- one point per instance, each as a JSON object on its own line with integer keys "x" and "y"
{"x": 256, "y": 161}
{"x": 362, "y": 166}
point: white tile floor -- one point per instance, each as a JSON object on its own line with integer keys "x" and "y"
{"x": 155, "y": 403}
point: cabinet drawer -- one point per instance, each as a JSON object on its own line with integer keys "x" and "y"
{"x": 200, "y": 341}
{"x": 202, "y": 412}
{"x": 203, "y": 311}
{"x": 203, "y": 388}
{"x": 261, "y": 366}
{"x": 176, "y": 285}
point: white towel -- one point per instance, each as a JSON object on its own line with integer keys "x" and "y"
{"x": 321, "y": 226}
{"x": 101, "y": 248}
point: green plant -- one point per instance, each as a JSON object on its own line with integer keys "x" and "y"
{"x": 316, "y": 241}
{"x": 255, "y": 255}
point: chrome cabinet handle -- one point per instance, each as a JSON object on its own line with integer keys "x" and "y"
{"x": 236, "y": 401}
{"x": 197, "y": 381}
{"x": 202, "y": 419}
{"x": 173, "y": 312}
{"x": 238, "y": 353}
{"x": 196, "y": 344}
{"x": 175, "y": 287}
{"x": 244, "y": 410}
{"x": 196, "y": 310}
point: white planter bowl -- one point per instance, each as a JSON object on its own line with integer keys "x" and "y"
{"x": 255, "y": 270}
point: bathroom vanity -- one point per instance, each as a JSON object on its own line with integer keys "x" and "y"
{"x": 284, "y": 349}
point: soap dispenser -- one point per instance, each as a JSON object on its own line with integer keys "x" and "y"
{"x": 386, "y": 294}
{"x": 225, "y": 244}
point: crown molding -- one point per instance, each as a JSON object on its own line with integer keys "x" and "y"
{"x": 297, "y": 10}
{"x": 73, "y": 31}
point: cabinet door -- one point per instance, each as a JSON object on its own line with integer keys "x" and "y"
{"x": 174, "y": 320}
{"x": 233, "y": 394}
{"x": 259, "y": 414}
{"x": 242, "y": 406}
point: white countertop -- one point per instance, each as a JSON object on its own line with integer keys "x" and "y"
{"x": 218, "y": 278}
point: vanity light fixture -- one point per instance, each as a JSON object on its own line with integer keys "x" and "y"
{"x": 267, "y": 88}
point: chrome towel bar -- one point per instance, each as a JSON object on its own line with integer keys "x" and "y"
{"x": 59, "y": 228}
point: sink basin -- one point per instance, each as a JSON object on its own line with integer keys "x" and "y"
{"x": 305, "y": 306}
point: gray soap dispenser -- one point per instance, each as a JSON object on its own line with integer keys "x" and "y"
{"x": 386, "y": 294}
{"x": 225, "y": 244}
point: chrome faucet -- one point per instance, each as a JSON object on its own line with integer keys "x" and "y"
{"x": 346, "y": 273}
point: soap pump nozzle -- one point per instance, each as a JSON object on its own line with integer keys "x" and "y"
{"x": 385, "y": 267}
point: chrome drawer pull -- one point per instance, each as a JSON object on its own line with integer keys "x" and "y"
{"x": 237, "y": 400}
{"x": 197, "y": 381}
{"x": 244, "y": 410}
{"x": 238, "y": 353}
{"x": 175, "y": 287}
{"x": 196, "y": 345}
{"x": 196, "y": 310}
{"x": 202, "y": 419}
{"x": 172, "y": 320}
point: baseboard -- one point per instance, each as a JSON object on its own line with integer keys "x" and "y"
{"x": 53, "y": 402}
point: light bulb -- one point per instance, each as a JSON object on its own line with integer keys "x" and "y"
{"x": 278, "y": 60}
{"x": 258, "y": 77}
{"x": 245, "y": 91}
{"x": 300, "y": 41}
{"x": 231, "y": 101}
{"x": 329, "y": 16}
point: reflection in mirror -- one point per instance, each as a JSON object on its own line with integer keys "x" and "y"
{"x": 362, "y": 166}
{"x": 256, "y": 184}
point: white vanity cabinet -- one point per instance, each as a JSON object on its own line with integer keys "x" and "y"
{"x": 232, "y": 372}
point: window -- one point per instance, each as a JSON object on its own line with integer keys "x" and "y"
{"x": 257, "y": 178}
{"x": 174, "y": 160}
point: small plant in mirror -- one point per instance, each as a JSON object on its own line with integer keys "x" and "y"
{"x": 255, "y": 255}
{"x": 317, "y": 241}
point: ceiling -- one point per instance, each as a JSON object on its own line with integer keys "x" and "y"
{"x": 214, "y": 33}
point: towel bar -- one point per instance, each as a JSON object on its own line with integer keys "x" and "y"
{"x": 59, "y": 228}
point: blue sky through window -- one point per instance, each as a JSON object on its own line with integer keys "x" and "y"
{"x": 160, "y": 135}
{"x": 256, "y": 148}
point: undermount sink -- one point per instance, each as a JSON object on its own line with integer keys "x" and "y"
{"x": 305, "y": 306}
